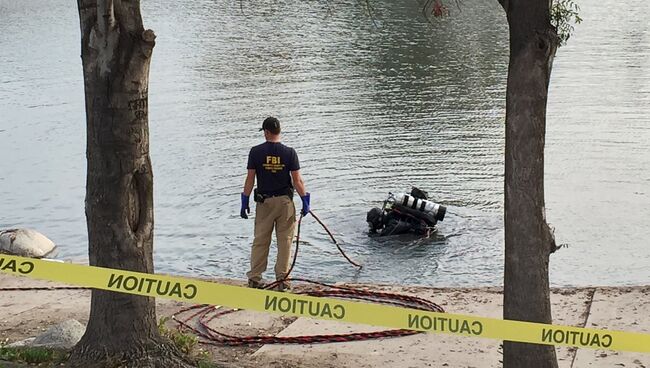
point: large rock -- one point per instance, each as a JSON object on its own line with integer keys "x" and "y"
{"x": 65, "y": 335}
{"x": 22, "y": 343}
{"x": 25, "y": 243}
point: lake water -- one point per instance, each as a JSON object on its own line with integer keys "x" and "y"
{"x": 372, "y": 105}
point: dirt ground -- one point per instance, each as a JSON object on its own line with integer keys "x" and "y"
{"x": 28, "y": 313}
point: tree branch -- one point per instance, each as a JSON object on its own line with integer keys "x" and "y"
{"x": 370, "y": 12}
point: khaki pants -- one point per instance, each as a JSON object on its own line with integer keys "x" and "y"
{"x": 278, "y": 212}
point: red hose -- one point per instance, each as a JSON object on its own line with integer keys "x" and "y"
{"x": 211, "y": 336}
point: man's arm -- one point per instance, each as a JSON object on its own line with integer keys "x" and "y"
{"x": 298, "y": 183}
{"x": 250, "y": 182}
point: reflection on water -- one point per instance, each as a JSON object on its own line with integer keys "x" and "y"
{"x": 370, "y": 109}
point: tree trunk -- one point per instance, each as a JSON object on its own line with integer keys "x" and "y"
{"x": 528, "y": 239}
{"x": 115, "y": 52}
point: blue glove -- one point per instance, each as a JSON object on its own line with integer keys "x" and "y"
{"x": 245, "y": 209}
{"x": 305, "y": 204}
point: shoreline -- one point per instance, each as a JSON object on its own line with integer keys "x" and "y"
{"x": 25, "y": 314}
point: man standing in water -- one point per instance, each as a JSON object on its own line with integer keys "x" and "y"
{"x": 277, "y": 170}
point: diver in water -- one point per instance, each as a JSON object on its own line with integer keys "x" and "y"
{"x": 406, "y": 213}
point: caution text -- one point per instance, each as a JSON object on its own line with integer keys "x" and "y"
{"x": 445, "y": 324}
{"x": 321, "y": 309}
{"x": 149, "y": 286}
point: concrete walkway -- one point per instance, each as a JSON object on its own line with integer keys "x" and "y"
{"x": 604, "y": 308}
{"x": 27, "y": 313}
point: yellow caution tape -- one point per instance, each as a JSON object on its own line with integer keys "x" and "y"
{"x": 204, "y": 292}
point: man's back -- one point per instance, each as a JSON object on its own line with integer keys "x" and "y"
{"x": 273, "y": 162}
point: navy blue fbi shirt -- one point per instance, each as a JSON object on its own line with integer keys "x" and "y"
{"x": 273, "y": 163}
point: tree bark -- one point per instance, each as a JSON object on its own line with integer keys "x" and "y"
{"x": 116, "y": 52}
{"x": 528, "y": 239}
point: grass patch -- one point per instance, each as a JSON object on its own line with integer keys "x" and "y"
{"x": 32, "y": 355}
{"x": 186, "y": 343}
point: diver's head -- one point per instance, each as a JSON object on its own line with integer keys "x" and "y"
{"x": 374, "y": 218}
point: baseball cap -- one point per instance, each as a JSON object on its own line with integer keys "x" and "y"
{"x": 271, "y": 124}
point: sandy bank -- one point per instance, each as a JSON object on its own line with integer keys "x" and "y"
{"x": 27, "y": 313}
